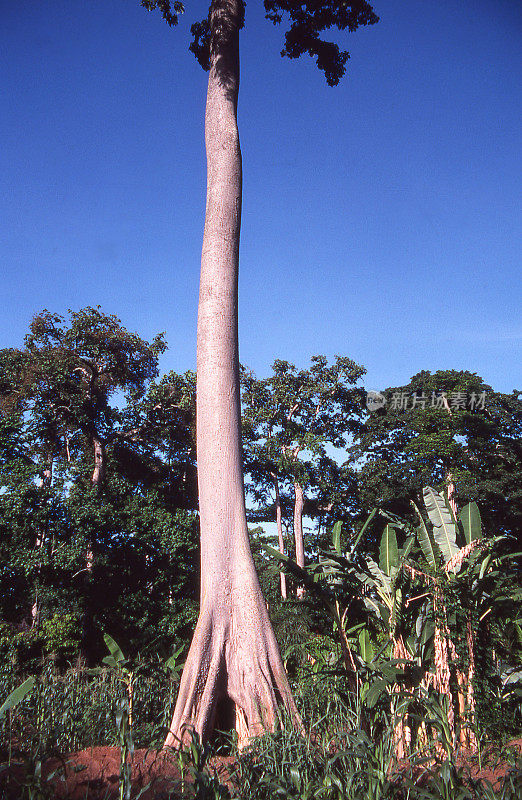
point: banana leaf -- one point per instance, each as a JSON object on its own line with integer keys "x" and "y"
{"x": 336, "y": 537}
{"x": 365, "y": 646}
{"x": 408, "y": 544}
{"x": 427, "y": 545}
{"x": 116, "y": 655}
{"x": 389, "y": 552}
{"x": 471, "y": 522}
{"x": 374, "y": 692}
{"x": 382, "y": 580}
{"x": 444, "y": 530}
{"x": 359, "y": 535}
{"x": 17, "y": 696}
{"x": 426, "y": 542}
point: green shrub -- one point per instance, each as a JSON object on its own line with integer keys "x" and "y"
{"x": 61, "y": 635}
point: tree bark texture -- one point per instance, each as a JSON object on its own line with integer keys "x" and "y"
{"x": 298, "y": 531}
{"x": 233, "y": 666}
{"x": 97, "y": 482}
{"x": 98, "y": 479}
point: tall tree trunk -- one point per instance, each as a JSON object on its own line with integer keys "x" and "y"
{"x": 97, "y": 481}
{"x": 298, "y": 531}
{"x": 279, "y": 521}
{"x": 452, "y": 496}
{"x": 98, "y": 475}
{"x": 47, "y": 480}
{"x": 234, "y": 659}
{"x": 471, "y": 702}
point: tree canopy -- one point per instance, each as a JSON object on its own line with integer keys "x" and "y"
{"x": 307, "y": 22}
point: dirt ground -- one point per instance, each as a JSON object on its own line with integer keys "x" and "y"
{"x": 93, "y": 774}
{"x": 493, "y": 769}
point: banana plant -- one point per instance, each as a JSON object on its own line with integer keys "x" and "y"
{"x": 463, "y": 566}
{"x": 439, "y": 544}
{"x": 385, "y": 588}
{"x": 336, "y": 579}
{"x": 360, "y": 597}
{"x": 390, "y": 586}
{"x": 427, "y": 640}
{"x": 444, "y": 528}
{"x": 388, "y": 581}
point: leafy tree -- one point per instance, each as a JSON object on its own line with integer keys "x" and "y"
{"x": 74, "y": 371}
{"x": 290, "y": 421}
{"x": 454, "y": 427}
{"x": 139, "y": 520}
{"x": 20, "y": 519}
{"x": 157, "y": 441}
{"x": 31, "y": 509}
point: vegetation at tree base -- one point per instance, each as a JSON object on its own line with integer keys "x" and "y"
{"x": 406, "y": 642}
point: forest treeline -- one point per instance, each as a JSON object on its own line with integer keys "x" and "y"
{"x": 98, "y": 497}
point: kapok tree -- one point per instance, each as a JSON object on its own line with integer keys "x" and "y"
{"x": 234, "y": 658}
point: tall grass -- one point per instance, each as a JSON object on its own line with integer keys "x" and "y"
{"x": 75, "y": 710}
{"x": 346, "y": 754}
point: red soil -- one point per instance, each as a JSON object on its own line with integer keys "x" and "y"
{"x": 94, "y": 774}
{"x": 493, "y": 769}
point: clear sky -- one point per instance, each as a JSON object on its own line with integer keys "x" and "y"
{"x": 381, "y": 218}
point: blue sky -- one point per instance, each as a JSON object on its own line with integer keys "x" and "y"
{"x": 381, "y": 218}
